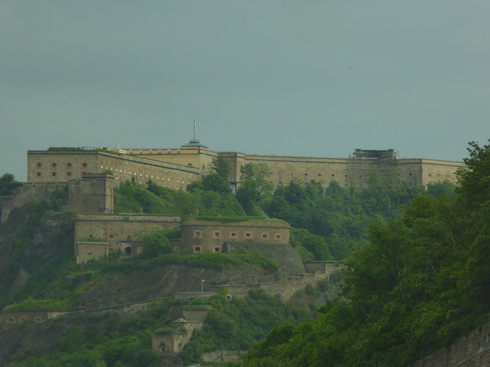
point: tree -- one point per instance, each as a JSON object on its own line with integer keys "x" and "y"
{"x": 221, "y": 166}
{"x": 8, "y": 184}
{"x": 155, "y": 243}
{"x": 215, "y": 182}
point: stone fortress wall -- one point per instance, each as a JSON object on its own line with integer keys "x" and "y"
{"x": 100, "y": 235}
{"x": 353, "y": 171}
{"x": 211, "y": 236}
{"x": 63, "y": 166}
{"x": 177, "y": 167}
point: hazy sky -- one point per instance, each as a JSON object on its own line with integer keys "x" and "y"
{"x": 304, "y": 78}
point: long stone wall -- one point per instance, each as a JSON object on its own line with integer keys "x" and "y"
{"x": 177, "y": 167}
{"x": 62, "y": 166}
{"x": 29, "y": 192}
{"x": 470, "y": 351}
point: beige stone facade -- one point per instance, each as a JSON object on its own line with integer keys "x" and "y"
{"x": 100, "y": 235}
{"x": 177, "y": 167}
{"x": 94, "y": 193}
{"x": 210, "y": 236}
{"x": 63, "y": 166}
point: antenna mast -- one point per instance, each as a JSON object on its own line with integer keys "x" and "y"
{"x": 194, "y": 129}
{"x": 194, "y": 141}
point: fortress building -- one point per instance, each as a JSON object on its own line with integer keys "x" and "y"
{"x": 177, "y": 167}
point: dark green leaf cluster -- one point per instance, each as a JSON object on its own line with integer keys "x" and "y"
{"x": 101, "y": 340}
{"x": 132, "y": 198}
{"x": 238, "y": 324}
{"x": 8, "y": 184}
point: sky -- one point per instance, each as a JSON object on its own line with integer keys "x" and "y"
{"x": 279, "y": 77}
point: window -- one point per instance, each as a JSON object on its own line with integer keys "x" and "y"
{"x": 197, "y": 248}
{"x": 53, "y": 174}
{"x": 53, "y": 165}
{"x": 39, "y": 173}
{"x": 278, "y": 236}
{"x": 10, "y": 320}
{"x": 84, "y": 165}
{"x": 69, "y": 165}
{"x": 197, "y": 234}
{"x": 248, "y": 235}
{"x": 233, "y": 234}
{"x": 265, "y": 236}
{"x": 39, "y": 165}
{"x": 217, "y": 249}
{"x": 216, "y": 234}
{"x": 68, "y": 174}
{"x": 22, "y": 319}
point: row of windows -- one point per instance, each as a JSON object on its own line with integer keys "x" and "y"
{"x": 53, "y": 174}
{"x": 199, "y": 249}
{"x": 234, "y": 235}
{"x": 54, "y": 165}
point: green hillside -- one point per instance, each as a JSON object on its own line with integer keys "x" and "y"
{"x": 39, "y": 272}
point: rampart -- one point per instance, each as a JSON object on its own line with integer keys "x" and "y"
{"x": 211, "y": 236}
{"x": 99, "y": 235}
{"x": 287, "y": 288}
{"x": 29, "y": 192}
{"x": 65, "y": 165}
{"x": 177, "y": 167}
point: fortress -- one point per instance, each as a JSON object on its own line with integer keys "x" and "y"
{"x": 90, "y": 176}
{"x": 177, "y": 167}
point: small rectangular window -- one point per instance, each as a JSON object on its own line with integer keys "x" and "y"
{"x": 53, "y": 165}
{"x": 248, "y": 234}
{"x": 84, "y": 165}
{"x": 39, "y": 173}
{"x": 278, "y": 236}
{"x": 197, "y": 234}
{"x": 216, "y": 234}
{"x": 265, "y": 236}
{"x": 53, "y": 174}
{"x": 69, "y": 165}
{"x": 233, "y": 234}
{"x": 217, "y": 249}
{"x": 197, "y": 248}
{"x": 39, "y": 165}
{"x": 68, "y": 174}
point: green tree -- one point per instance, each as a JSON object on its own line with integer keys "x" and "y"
{"x": 222, "y": 167}
{"x": 8, "y": 184}
{"x": 155, "y": 243}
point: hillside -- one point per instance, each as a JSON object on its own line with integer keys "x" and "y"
{"x": 421, "y": 282}
{"x": 40, "y": 272}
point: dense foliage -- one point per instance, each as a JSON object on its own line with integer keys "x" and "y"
{"x": 8, "y": 184}
{"x": 240, "y": 323}
{"x": 334, "y": 220}
{"x": 421, "y": 281}
{"x": 101, "y": 340}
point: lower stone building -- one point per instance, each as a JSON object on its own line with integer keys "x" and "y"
{"x": 200, "y": 235}
{"x": 99, "y": 235}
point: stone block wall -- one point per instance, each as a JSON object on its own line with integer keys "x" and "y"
{"x": 29, "y": 192}
{"x": 94, "y": 194}
{"x": 470, "y": 351}
{"x": 210, "y": 236}
{"x": 115, "y": 232}
{"x": 62, "y": 166}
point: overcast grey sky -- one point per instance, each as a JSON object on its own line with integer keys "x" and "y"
{"x": 304, "y": 78}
